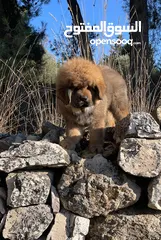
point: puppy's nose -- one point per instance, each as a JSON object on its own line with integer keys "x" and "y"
{"x": 84, "y": 98}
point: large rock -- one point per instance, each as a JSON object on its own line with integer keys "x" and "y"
{"x": 126, "y": 225}
{"x": 6, "y": 142}
{"x": 143, "y": 125}
{"x": 27, "y": 222}
{"x": 69, "y": 226}
{"x": 154, "y": 193}
{"x": 140, "y": 157}
{"x": 27, "y": 188}
{"x": 9, "y": 140}
{"x": 52, "y": 136}
{"x": 96, "y": 187}
{"x": 137, "y": 124}
{"x": 51, "y": 132}
{"x": 33, "y": 154}
{"x": 48, "y": 126}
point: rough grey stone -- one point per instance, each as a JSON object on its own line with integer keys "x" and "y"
{"x": 5, "y": 143}
{"x": 126, "y": 224}
{"x": 3, "y": 197}
{"x": 140, "y": 157}
{"x": 81, "y": 228}
{"x": 33, "y": 137}
{"x": 27, "y": 222}
{"x": 55, "y": 201}
{"x": 69, "y": 226}
{"x": 137, "y": 124}
{"x": 3, "y": 193}
{"x": 4, "y": 135}
{"x": 8, "y": 141}
{"x": 52, "y": 136}
{"x": 19, "y": 138}
{"x": 96, "y": 187}
{"x": 33, "y": 154}
{"x": 143, "y": 125}
{"x": 109, "y": 149}
{"x": 61, "y": 228}
{"x": 2, "y": 206}
{"x": 154, "y": 193}
{"x": 74, "y": 156}
{"x": 27, "y": 188}
{"x": 48, "y": 126}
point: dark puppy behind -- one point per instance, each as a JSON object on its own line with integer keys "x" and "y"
{"x": 91, "y": 96}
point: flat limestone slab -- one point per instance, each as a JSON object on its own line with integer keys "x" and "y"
{"x": 33, "y": 154}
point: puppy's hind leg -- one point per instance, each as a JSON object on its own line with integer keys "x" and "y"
{"x": 110, "y": 120}
{"x": 120, "y": 110}
{"x": 120, "y": 105}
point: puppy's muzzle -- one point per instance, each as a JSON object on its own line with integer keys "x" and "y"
{"x": 78, "y": 101}
{"x": 84, "y": 101}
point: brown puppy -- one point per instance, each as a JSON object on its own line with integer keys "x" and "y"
{"x": 91, "y": 96}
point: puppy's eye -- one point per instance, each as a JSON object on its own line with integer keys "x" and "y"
{"x": 92, "y": 89}
{"x": 75, "y": 89}
{"x": 89, "y": 88}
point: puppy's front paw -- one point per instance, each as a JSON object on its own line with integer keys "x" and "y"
{"x": 98, "y": 148}
{"x": 68, "y": 144}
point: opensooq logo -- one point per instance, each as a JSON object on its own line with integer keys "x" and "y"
{"x": 108, "y": 31}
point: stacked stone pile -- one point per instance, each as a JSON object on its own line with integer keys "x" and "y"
{"x": 47, "y": 193}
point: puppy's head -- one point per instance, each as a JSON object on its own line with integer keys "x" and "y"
{"x": 80, "y": 83}
{"x": 83, "y": 97}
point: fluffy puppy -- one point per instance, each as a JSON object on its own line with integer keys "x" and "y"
{"x": 91, "y": 96}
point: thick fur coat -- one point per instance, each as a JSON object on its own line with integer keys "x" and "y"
{"x": 91, "y": 96}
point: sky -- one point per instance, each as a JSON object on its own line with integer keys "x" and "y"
{"x": 56, "y": 15}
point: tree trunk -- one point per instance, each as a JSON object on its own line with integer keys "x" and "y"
{"x": 83, "y": 37}
{"x": 139, "y": 52}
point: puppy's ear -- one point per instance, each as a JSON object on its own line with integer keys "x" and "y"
{"x": 100, "y": 91}
{"x": 64, "y": 95}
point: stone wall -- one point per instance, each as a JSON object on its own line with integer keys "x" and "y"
{"x": 47, "y": 193}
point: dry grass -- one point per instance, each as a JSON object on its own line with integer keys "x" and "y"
{"x": 146, "y": 95}
{"x": 25, "y": 103}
